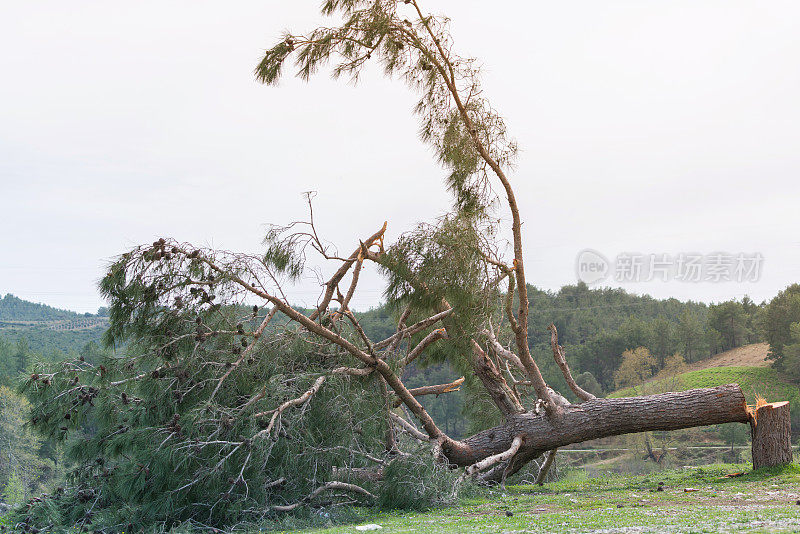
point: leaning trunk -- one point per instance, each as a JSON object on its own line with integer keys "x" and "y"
{"x": 599, "y": 419}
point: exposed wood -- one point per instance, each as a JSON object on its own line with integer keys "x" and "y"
{"x": 433, "y": 390}
{"x": 345, "y": 305}
{"x": 401, "y": 324}
{"x": 333, "y": 283}
{"x": 771, "y": 431}
{"x": 353, "y": 371}
{"x": 509, "y": 305}
{"x": 503, "y": 352}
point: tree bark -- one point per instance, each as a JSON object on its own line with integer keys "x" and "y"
{"x": 602, "y": 418}
{"x": 771, "y": 431}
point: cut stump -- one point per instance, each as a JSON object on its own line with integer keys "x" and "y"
{"x": 771, "y": 430}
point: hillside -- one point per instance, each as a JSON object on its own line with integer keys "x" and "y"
{"x": 763, "y": 381}
{"x": 753, "y": 355}
{"x": 14, "y": 309}
{"x": 32, "y": 332}
{"x": 747, "y": 366}
{"x": 16, "y": 314}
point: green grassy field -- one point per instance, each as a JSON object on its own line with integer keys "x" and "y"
{"x": 763, "y": 501}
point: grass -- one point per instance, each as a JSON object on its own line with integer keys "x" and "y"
{"x": 762, "y": 501}
{"x": 763, "y": 381}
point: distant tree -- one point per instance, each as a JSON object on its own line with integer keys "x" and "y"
{"x": 690, "y": 335}
{"x": 22, "y": 469}
{"x": 16, "y": 309}
{"x": 662, "y": 333}
{"x": 791, "y": 352}
{"x": 22, "y": 356}
{"x": 752, "y": 313}
{"x": 730, "y": 320}
{"x": 776, "y": 321}
{"x": 714, "y": 341}
{"x": 674, "y": 365}
{"x": 636, "y": 332}
{"x": 733, "y": 435}
{"x": 587, "y": 381}
{"x": 637, "y": 366}
{"x": 601, "y": 357}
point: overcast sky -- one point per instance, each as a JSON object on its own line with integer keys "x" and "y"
{"x": 644, "y": 127}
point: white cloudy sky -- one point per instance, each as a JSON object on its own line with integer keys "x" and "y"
{"x": 645, "y": 126}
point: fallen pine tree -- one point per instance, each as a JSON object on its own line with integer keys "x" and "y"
{"x": 231, "y": 403}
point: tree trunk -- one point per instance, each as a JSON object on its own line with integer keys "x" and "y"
{"x": 602, "y": 418}
{"x": 771, "y": 430}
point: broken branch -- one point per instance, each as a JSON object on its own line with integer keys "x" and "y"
{"x": 302, "y": 399}
{"x": 497, "y": 458}
{"x": 433, "y": 390}
{"x": 333, "y": 485}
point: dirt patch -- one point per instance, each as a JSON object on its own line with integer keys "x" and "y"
{"x": 754, "y": 355}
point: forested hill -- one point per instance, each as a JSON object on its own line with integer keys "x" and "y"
{"x": 31, "y": 332}
{"x": 14, "y": 309}
{"x": 597, "y": 326}
{"x": 580, "y": 312}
